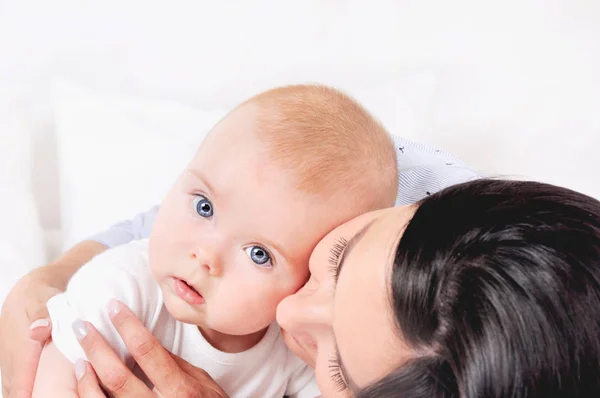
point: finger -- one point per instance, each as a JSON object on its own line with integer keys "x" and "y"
{"x": 201, "y": 376}
{"x": 188, "y": 367}
{"x": 113, "y": 374}
{"x": 40, "y": 329}
{"x": 39, "y": 320}
{"x": 24, "y": 370}
{"x": 88, "y": 385}
{"x": 151, "y": 357}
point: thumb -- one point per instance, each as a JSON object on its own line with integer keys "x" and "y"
{"x": 40, "y": 327}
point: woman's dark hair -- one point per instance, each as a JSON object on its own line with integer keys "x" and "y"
{"x": 496, "y": 288}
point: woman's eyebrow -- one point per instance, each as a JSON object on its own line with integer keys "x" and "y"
{"x": 351, "y": 244}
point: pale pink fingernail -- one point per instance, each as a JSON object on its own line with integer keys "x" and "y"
{"x": 113, "y": 307}
{"x": 40, "y": 323}
{"x": 79, "y": 369}
{"x": 80, "y": 329}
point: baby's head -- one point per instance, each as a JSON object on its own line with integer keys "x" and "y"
{"x": 234, "y": 235}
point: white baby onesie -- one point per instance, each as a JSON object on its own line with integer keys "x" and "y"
{"x": 268, "y": 369}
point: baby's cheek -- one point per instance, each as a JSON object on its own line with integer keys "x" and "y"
{"x": 262, "y": 303}
{"x": 243, "y": 311}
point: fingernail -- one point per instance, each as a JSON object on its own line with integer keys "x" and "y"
{"x": 79, "y": 369}
{"x": 113, "y": 307}
{"x": 40, "y": 323}
{"x": 80, "y": 329}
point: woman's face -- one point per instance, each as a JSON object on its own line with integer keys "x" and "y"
{"x": 341, "y": 322}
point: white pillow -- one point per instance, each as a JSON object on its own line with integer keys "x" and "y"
{"x": 15, "y": 146}
{"x": 119, "y": 156}
{"x": 21, "y": 238}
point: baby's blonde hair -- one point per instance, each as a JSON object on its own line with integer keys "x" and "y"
{"x": 329, "y": 142}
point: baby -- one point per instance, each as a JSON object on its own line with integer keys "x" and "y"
{"x": 232, "y": 238}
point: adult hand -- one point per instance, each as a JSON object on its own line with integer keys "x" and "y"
{"x": 24, "y": 327}
{"x": 170, "y": 375}
{"x": 24, "y": 323}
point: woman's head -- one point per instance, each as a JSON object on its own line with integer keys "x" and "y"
{"x": 486, "y": 289}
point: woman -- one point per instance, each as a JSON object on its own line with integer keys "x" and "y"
{"x": 486, "y": 289}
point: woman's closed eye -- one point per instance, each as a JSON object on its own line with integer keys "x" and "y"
{"x": 336, "y": 251}
{"x": 335, "y": 373}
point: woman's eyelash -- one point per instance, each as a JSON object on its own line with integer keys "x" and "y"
{"x": 334, "y": 255}
{"x": 335, "y": 373}
{"x": 336, "y": 250}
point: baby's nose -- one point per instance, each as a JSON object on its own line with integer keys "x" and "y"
{"x": 208, "y": 259}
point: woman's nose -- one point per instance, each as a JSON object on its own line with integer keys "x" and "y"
{"x": 309, "y": 307}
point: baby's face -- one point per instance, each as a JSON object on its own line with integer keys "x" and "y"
{"x": 233, "y": 236}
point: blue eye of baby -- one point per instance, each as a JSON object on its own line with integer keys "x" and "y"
{"x": 203, "y": 207}
{"x": 259, "y": 255}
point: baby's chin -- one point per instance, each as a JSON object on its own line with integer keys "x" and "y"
{"x": 183, "y": 312}
{"x": 201, "y": 316}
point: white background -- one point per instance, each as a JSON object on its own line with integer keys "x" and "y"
{"x": 517, "y": 89}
